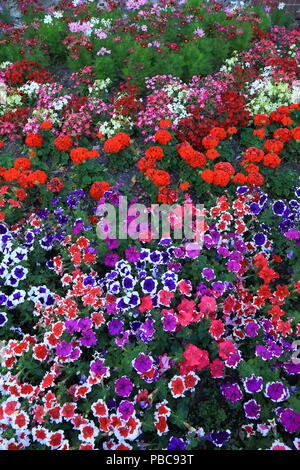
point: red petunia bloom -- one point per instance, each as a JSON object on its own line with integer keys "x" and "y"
{"x": 195, "y": 357}
{"x": 177, "y": 387}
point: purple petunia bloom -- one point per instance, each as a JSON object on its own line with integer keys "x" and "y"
{"x": 232, "y": 392}
{"x": 63, "y": 349}
{"x": 170, "y": 284}
{"x": 233, "y": 359}
{"x": 132, "y": 254}
{"x": 293, "y": 368}
{"x": 122, "y": 340}
{"x": 192, "y": 250}
{"x": 134, "y": 299}
{"x": 97, "y": 368}
{"x": 148, "y": 330}
{"x": 124, "y": 387}
{"x": 176, "y": 443}
{"x": 3, "y": 299}
{"x": 223, "y": 251}
{"x": 290, "y": 420}
{"x": 75, "y": 354}
{"x": 233, "y": 266}
{"x": 111, "y": 259}
{"x": 149, "y": 285}
{"x": 142, "y": 363}
{"x": 263, "y": 352}
{"x": 277, "y": 391}
{"x": 252, "y": 409}
{"x": 115, "y": 327}
{"x": 218, "y": 287}
{"x": 208, "y": 274}
{"x": 111, "y": 308}
{"x": 251, "y": 329}
{"x": 155, "y": 257}
{"x": 292, "y": 234}
{"x": 112, "y": 243}
{"x": 219, "y": 438}
{"x": 274, "y": 348}
{"x": 3, "y": 229}
{"x": 259, "y": 239}
{"x": 202, "y": 289}
{"x": 3, "y": 318}
{"x": 89, "y": 281}
{"x": 236, "y": 256}
{"x": 126, "y": 409}
{"x": 253, "y": 384}
{"x": 85, "y": 324}
{"x": 19, "y": 272}
{"x": 242, "y": 189}
{"x": 77, "y": 227}
{"x": 88, "y": 339}
{"x": 279, "y": 207}
{"x": 128, "y": 282}
{"x": 169, "y": 322}
{"x": 254, "y": 208}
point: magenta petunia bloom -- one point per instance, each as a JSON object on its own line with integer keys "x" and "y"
{"x": 97, "y": 368}
{"x": 232, "y": 392}
{"x": 292, "y": 234}
{"x": 277, "y": 391}
{"x": 126, "y": 409}
{"x": 233, "y": 266}
{"x": 290, "y": 420}
{"x": 251, "y": 329}
{"x": 111, "y": 259}
{"x": 208, "y": 274}
{"x": 253, "y": 384}
{"x": 252, "y": 409}
{"x": 132, "y": 254}
{"x": 63, "y": 349}
{"x": 123, "y": 387}
{"x": 169, "y": 322}
{"x": 142, "y": 363}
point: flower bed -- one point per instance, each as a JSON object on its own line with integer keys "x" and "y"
{"x": 149, "y": 342}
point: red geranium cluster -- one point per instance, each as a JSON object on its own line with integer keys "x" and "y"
{"x": 152, "y": 154}
{"x": 33, "y": 140}
{"x": 192, "y": 157}
{"x": 80, "y": 154}
{"x": 167, "y": 195}
{"x": 117, "y": 143}
{"x": 63, "y": 142}
{"x": 158, "y": 177}
{"x": 230, "y": 109}
{"x": 98, "y": 188}
{"x": 55, "y": 185}
{"x": 19, "y": 175}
